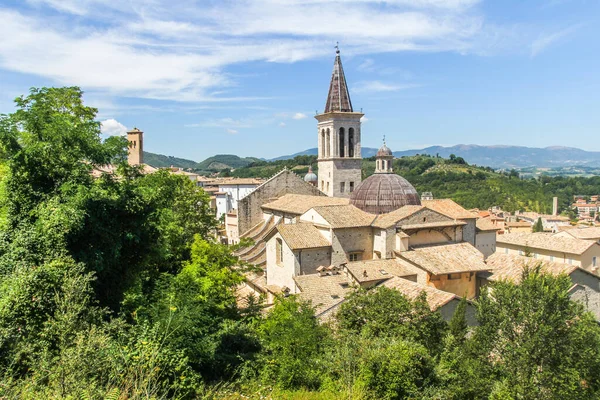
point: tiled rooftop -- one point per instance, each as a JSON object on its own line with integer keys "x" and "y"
{"x": 484, "y": 224}
{"x": 377, "y": 270}
{"x": 299, "y": 203}
{"x": 345, "y": 216}
{"x": 592, "y": 233}
{"x": 446, "y": 258}
{"x": 510, "y": 267}
{"x": 448, "y": 208}
{"x": 545, "y": 241}
{"x": 435, "y": 298}
{"x": 302, "y": 236}
{"x": 324, "y": 292}
{"x": 390, "y": 219}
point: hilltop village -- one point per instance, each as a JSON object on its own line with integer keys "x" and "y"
{"x": 323, "y": 236}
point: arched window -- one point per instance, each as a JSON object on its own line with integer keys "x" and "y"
{"x": 351, "y": 142}
{"x": 328, "y": 146}
{"x": 322, "y": 147}
{"x": 342, "y": 142}
{"x": 279, "y": 252}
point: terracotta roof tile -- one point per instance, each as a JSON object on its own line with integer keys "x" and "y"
{"x": 545, "y": 241}
{"x": 324, "y": 292}
{"x": 377, "y": 270}
{"x": 592, "y": 233}
{"x": 446, "y": 258}
{"x": 345, "y": 216}
{"x": 484, "y": 224}
{"x": 510, "y": 267}
{"x": 448, "y": 208}
{"x": 300, "y": 203}
{"x": 433, "y": 224}
{"x": 390, "y": 219}
{"x": 302, "y": 236}
{"x": 435, "y": 298}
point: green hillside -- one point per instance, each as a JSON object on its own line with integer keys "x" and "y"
{"x": 469, "y": 185}
{"x": 224, "y": 161}
{"x": 161, "y": 161}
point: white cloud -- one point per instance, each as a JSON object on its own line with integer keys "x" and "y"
{"x": 112, "y": 127}
{"x": 299, "y": 116}
{"x": 179, "y": 51}
{"x": 282, "y": 124}
{"x": 378, "y": 86}
{"x": 368, "y": 65}
{"x": 232, "y": 131}
{"x": 364, "y": 119}
{"x": 544, "y": 41}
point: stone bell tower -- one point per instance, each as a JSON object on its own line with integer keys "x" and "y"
{"x": 135, "y": 156}
{"x": 338, "y": 126}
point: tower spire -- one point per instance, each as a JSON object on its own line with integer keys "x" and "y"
{"x": 338, "y": 99}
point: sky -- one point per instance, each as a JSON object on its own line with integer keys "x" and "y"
{"x": 246, "y": 77}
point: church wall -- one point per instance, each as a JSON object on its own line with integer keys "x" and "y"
{"x": 384, "y": 242}
{"x": 249, "y": 208}
{"x": 485, "y": 242}
{"x": 311, "y": 259}
{"x": 281, "y": 274}
{"x": 430, "y": 236}
{"x": 351, "y": 240}
{"x": 469, "y": 230}
{"x": 424, "y": 216}
{"x": 314, "y": 217}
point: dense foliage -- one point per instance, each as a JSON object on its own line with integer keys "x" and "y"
{"x": 112, "y": 287}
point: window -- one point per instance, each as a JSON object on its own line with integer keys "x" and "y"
{"x": 594, "y": 261}
{"x": 351, "y": 142}
{"x": 279, "y": 252}
{"x": 328, "y": 186}
{"x": 434, "y": 278}
{"x": 354, "y": 256}
{"x": 342, "y": 187}
{"x": 342, "y": 144}
{"x": 322, "y": 185}
{"x": 454, "y": 276}
{"x": 351, "y": 187}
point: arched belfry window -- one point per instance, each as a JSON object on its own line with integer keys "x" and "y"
{"x": 328, "y": 146}
{"x": 351, "y": 142}
{"x": 341, "y": 138}
{"x": 323, "y": 144}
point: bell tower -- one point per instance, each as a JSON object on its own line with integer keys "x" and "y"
{"x": 339, "y": 133}
{"x": 135, "y": 155}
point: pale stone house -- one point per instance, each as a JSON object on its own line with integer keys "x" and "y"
{"x": 552, "y": 247}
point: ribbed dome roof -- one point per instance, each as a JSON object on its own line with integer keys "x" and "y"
{"x": 384, "y": 151}
{"x": 384, "y": 193}
{"x": 310, "y": 176}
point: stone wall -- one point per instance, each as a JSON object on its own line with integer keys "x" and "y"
{"x": 351, "y": 240}
{"x": 249, "y": 208}
{"x": 311, "y": 259}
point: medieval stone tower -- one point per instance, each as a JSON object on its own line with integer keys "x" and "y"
{"x": 135, "y": 156}
{"x": 339, "y": 156}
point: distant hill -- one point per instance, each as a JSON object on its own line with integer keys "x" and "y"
{"x": 160, "y": 161}
{"x": 225, "y": 161}
{"x": 498, "y": 156}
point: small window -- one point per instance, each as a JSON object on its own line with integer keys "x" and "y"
{"x": 454, "y": 276}
{"x": 594, "y": 261}
{"x": 342, "y": 187}
{"x": 434, "y": 278}
{"x": 279, "y": 252}
{"x": 354, "y": 256}
{"x": 351, "y": 187}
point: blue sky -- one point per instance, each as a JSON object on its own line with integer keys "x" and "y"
{"x": 246, "y": 77}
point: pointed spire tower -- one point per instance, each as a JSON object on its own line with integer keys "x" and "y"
{"x": 339, "y": 138}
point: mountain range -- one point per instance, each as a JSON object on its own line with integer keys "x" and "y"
{"x": 499, "y": 157}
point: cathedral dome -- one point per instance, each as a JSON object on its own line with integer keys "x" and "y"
{"x": 310, "y": 177}
{"x": 383, "y": 193}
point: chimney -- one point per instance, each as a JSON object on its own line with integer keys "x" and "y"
{"x": 555, "y": 206}
{"x": 135, "y": 155}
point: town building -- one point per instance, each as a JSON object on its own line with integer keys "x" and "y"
{"x": 552, "y": 248}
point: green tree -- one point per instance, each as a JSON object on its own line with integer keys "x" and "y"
{"x": 538, "y": 226}
{"x": 293, "y": 342}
